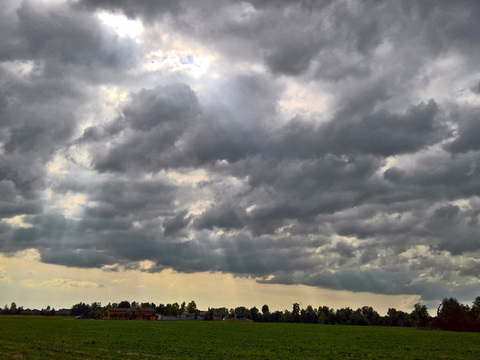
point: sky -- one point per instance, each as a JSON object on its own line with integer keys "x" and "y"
{"x": 239, "y": 153}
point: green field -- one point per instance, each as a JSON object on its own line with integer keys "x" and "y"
{"x": 24, "y": 337}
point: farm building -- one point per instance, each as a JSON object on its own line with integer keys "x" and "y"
{"x": 129, "y": 314}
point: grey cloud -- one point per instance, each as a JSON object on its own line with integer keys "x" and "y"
{"x": 386, "y": 134}
{"x": 8, "y": 209}
{"x": 224, "y": 217}
{"x": 174, "y": 225}
{"x": 380, "y": 133}
{"x": 64, "y": 38}
{"x": 457, "y": 231}
{"x": 468, "y": 133}
{"x": 167, "y": 127}
{"x": 156, "y": 120}
{"x": 293, "y": 58}
{"x": 440, "y": 177}
{"x": 150, "y": 108}
{"x": 375, "y": 193}
{"x": 81, "y": 258}
{"x": 149, "y": 10}
{"x": 393, "y": 174}
{"x": 373, "y": 281}
{"x": 476, "y": 88}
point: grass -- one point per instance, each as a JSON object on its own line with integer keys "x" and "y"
{"x": 25, "y": 337}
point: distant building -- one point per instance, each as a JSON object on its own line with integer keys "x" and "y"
{"x": 200, "y": 315}
{"x": 129, "y": 314}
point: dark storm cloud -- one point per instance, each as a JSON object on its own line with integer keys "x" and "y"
{"x": 468, "y": 133}
{"x": 476, "y": 88}
{"x": 146, "y": 135}
{"x": 236, "y": 171}
{"x": 66, "y": 42}
{"x": 291, "y": 59}
{"x": 43, "y": 50}
{"x": 174, "y": 225}
{"x": 166, "y": 127}
{"x": 150, "y": 9}
{"x": 380, "y": 133}
{"x": 223, "y": 217}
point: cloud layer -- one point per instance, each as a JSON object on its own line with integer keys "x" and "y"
{"x": 330, "y": 144}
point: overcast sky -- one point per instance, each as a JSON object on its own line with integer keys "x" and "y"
{"x": 299, "y": 150}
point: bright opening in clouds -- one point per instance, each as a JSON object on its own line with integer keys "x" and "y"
{"x": 188, "y": 63}
{"x": 121, "y": 24}
{"x": 274, "y": 152}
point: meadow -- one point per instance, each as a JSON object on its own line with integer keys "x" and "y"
{"x": 29, "y": 337}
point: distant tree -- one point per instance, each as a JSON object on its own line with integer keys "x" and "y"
{"x": 474, "y": 314}
{"x": 47, "y": 311}
{"x": 160, "y": 309}
{"x": 344, "y": 316}
{"x": 420, "y": 315}
{"x": 296, "y": 312}
{"x": 369, "y": 316}
{"x": 182, "y": 309}
{"x": 124, "y": 304}
{"x": 286, "y": 316}
{"x": 96, "y": 310}
{"x": 276, "y": 316}
{"x": 265, "y": 312}
{"x": 325, "y": 315}
{"x": 358, "y": 319}
{"x": 309, "y": 315}
{"x": 13, "y": 309}
{"x": 147, "y": 305}
{"x": 134, "y": 304}
{"x": 6, "y": 310}
{"x": 168, "y": 310}
{"x": 451, "y": 315}
{"x": 243, "y": 311}
{"x": 80, "y": 309}
{"x": 397, "y": 318}
{"x": 221, "y": 312}
{"x": 210, "y": 314}
{"x": 254, "y": 313}
{"x": 175, "y": 309}
{"x": 192, "y": 307}
{"x": 476, "y": 303}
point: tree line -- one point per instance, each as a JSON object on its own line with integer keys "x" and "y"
{"x": 95, "y": 310}
{"x": 19, "y": 310}
{"x": 450, "y": 315}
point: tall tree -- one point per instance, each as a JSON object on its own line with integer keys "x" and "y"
{"x": 183, "y": 307}
{"x": 266, "y": 313}
{"x": 296, "y": 312}
{"x": 96, "y": 310}
{"x": 192, "y": 307}
{"x": 420, "y": 315}
{"x": 451, "y": 315}
{"x": 474, "y": 314}
{"x": 254, "y": 313}
{"x": 124, "y": 304}
{"x": 310, "y": 315}
{"x": 80, "y": 309}
{"x": 13, "y": 309}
